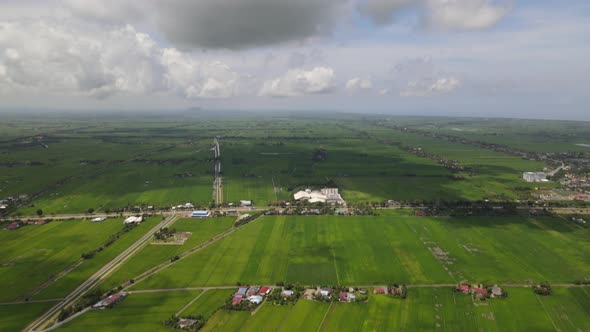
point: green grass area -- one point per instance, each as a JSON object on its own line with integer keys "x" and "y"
{"x": 32, "y": 254}
{"x": 122, "y": 161}
{"x": 134, "y": 184}
{"x": 305, "y": 316}
{"x": 227, "y": 321}
{"x": 137, "y": 312}
{"x": 15, "y": 317}
{"x": 208, "y": 303}
{"x": 259, "y": 191}
{"x": 309, "y": 250}
{"x": 509, "y": 249}
{"x": 427, "y": 309}
{"x": 153, "y": 254}
{"x": 374, "y": 250}
{"x": 70, "y": 281}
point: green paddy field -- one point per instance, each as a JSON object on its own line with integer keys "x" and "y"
{"x": 375, "y": 250}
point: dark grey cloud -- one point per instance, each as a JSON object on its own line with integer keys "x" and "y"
{"x": 237, "y": 24}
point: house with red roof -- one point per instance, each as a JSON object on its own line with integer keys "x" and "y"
{"x": 265, "y": 290}
{"x": 380, "y": 291}
{"x": 481, "y": 291}
{"x": 463, "y": 289}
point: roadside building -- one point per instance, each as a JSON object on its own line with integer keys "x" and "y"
{"x": 496, "y": 291}
{"x": 200, "y": 214}
{"x": 265, "y": 290}
{"x": 133, "y": 220}
{"x": 245, "y": 203}
{"x": 185, "y": 323}
{"x": 480, "y": 291}
{"x": 110, "y": 301}
{"x": 325, "y": 291}
{"x": 98, "y": 219}
{"x": 256, "y": 299}
{"x": 463, "y": 289}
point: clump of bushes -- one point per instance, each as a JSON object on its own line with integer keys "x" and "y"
{"x": 543, "y": 289}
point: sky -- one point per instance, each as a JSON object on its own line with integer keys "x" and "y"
{"x": 488, "y": 58}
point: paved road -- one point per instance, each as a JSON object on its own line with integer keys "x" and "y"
{"x": 217, "y": 180}
{"x": 76, "y": 294}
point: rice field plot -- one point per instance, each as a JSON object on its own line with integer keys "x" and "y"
{"x": 32, "y": 254}
{"x": 259, "y": 191}
{"x": 208, "y": 303}
{"x": 305, "y": 316}
{"x": 130, "y": 185}
{"x": 15, "y": 317}
{"x": 137, "y": 312}
{"x": 309, "y": 250}
{"x": 507, "y": 249}
{"x": 70, "y": 281}
{"x": 225, "y": 321}
{"x": 152, "y": 255}
{"x": 441, "y": 309}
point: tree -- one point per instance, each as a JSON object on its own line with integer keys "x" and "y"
{"x": 91, "y": 210}
{"x": 39, "y": 212}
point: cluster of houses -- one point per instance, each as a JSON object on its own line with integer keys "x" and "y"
{"x": 185, "y": 206}
{"x": 18, "y": 224}
{"x": 393, "y": 290}
{"x": 133, "y": 220}
{"x": 110, "y": 301}
{"x": 252, "y": 294}
{"x": 479, "y": 291}
{"x": 329, "y": 294}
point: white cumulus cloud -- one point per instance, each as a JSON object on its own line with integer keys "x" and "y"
{"x": 430, "y": 87}
{"x": 466, "y": 14}
{"x": 60, "y": 58}
{"x": 297, "y": 82}
{"x": 358, "y": 84}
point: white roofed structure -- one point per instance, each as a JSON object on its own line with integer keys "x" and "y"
{"x": 326, "y": 195}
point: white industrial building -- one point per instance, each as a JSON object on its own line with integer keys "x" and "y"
{"x": 326, "y": 195}
{"x": 534, "y": 177}
{"x": 200, "y": 214}
{"x": 133, "y": 220}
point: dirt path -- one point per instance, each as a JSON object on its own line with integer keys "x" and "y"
{"x": 191, "y": 302}
{"x": 325, "y": 316}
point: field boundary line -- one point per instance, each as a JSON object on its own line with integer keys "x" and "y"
{"x": 69, "y": 319}
{"x": 285, "y": 319}
{"x": 32, "y": 301}
{"x": 325, "y": 316}
{"x": 191, "y": 302}
{"x": 546, "y": 313}
{"x": 335, "y": 266}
